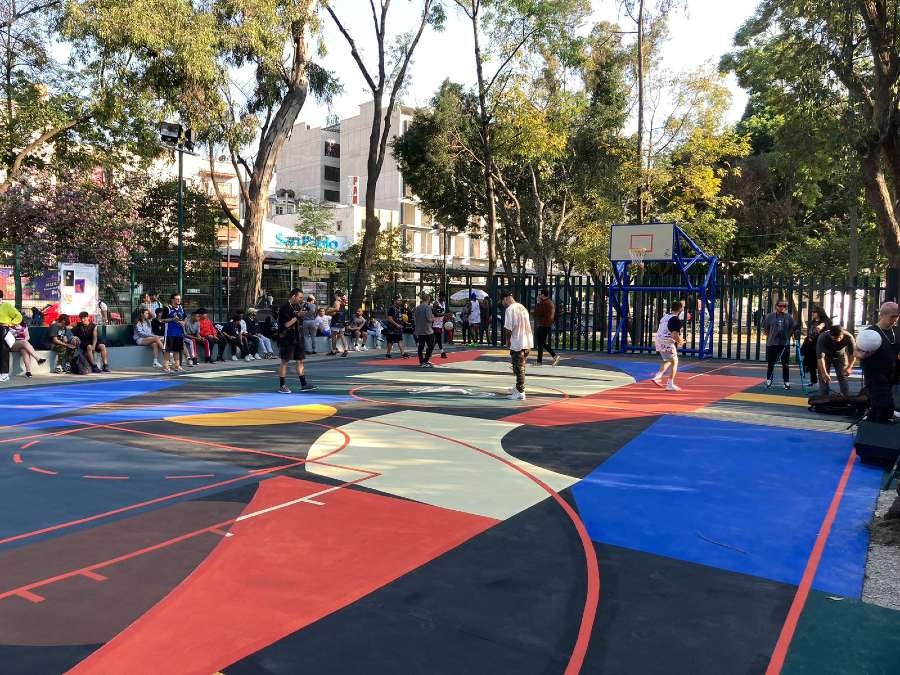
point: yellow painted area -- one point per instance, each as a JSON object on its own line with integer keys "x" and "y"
{"x": 769, "y": 398}
{"x": 257, "y": 418}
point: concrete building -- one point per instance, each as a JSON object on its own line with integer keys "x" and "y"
{"x": 315, "y": 155}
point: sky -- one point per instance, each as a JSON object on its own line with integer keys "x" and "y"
{"x": 700, "y": 34}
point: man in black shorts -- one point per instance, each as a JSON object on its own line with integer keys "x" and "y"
{"x": 291, "y": 344}
{"x": 394, "y": 332}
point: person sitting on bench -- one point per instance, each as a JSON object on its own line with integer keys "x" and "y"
{"x": 834, "y": 347}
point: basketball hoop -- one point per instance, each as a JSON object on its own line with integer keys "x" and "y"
{"x": 637, "y": 256}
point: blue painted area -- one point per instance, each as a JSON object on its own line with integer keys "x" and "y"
{"x": 639, "y": 369}
{"x": 844, "y": 559}
{"x": 217, "y": 405}
{"x": 36, "y": 402}
{"x": 740, "y": 497}
{"x": 31, "y": 501}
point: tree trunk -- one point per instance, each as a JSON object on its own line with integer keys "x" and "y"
{"x": 853, "y": 259}
{"x": 485, "y": 133}
{"x": 640, "y": 123}
{"x": 879, "y": 197}
{"x": 372, "y": 225}
{"x": 252, "y": 254}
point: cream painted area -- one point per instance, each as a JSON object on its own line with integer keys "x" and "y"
{"x": 434, "y": 470}
{"x": 544, "y": 372}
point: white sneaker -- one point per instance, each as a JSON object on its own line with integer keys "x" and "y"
{"x": 657, "y": 381}
{"x": 768, "y": 384}
{"x": 672, "y": 387}
{"x": 517, "y": 395}
{"x": 235, "y": 358}
{"x": 248, "y": 358}
{"x": 4, "y": 377}
{"x": 364, "y": 348}
{"x": 156, "y": 364}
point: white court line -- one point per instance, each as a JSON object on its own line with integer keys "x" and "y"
{"x": 237, "y": 372}
{"x": 308, "y": 499}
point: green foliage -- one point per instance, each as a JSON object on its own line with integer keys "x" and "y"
{"x": 386, "y": 264}
{"x": 313, "y": 218}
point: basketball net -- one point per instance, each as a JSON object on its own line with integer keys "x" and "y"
{"x": 637, "y": 256}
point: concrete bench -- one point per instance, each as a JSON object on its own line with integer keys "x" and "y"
{"x": 135, "y": 356}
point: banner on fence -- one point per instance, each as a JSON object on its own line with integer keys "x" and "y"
{"x": 78, "y": 291}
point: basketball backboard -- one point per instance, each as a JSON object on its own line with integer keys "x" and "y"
{"x": 656, "y": 239}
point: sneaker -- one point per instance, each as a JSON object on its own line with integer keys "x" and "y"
{"x": 235, "y": 358}
{"x": 344, "y": 354}
{"x": 58, "y": 370}
{"x": 517, "y": 395}
{"x": 356, "y": 348}
{"x": 4, "y": 377}
{"x": 443, "y": 355}
{"x": 283, "y": 389}
{"x": 308, "y": 387}
{"x": 364, "y": 348}
{"x": 95, "y": 369}
{"x": 42, "y": 361}
{"x": 672, "y": 387}
{"x": 178, "y": 370}
{"x": 658, "y": 382}
{"x": 105, "y": 369}
{"x": 768, "y": 384}
{"x": 555, "y": 361}
{"x": 404, "y": 356}
{"x": 787, "y": 385}
{"x": 248, "y": 358}
{"x": 27, "y": 374}
{"x": 388, "y": 356}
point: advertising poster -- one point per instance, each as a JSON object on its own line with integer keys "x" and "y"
{"x": 78, "y": 289}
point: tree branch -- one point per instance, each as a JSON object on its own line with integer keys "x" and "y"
{"x": 353, "y": 51}
{"x": 226, "y": 209}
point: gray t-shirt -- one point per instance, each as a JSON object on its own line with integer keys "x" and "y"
{"x": 779, "y": 328}
{"x": 424, "y": 319}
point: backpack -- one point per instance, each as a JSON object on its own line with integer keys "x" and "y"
{"x": 839, "y": 405}
{"x": 80, "y": 363}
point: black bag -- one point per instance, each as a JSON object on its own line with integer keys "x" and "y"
{"x": 839, "y": 405}
{"x": 80, "y": 363}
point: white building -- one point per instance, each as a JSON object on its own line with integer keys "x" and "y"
{"x": 313, "y": 157}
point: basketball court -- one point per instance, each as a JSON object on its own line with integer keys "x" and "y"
{"x": 401, "y": 520}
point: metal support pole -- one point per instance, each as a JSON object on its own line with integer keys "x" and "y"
{"x": 17, "y": 274}
{"x": 181, "y": 220}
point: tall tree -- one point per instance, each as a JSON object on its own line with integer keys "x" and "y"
{"x": 192, "y": 54}
{"x": 386, "y": 77}
{"x": 840, "y": 56}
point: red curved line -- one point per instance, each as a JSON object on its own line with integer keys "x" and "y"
{"x": 17, "y": 458}
{"x": 197, "y": 475}
{"x": 44, "y": 471}
{"x": 30, "y": 443}
{"x": 592, "y": 598}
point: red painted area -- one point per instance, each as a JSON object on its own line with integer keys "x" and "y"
{"x": 413, "y": 361}
{"x": 776, "y": 663}
{"x": 281, "y": 571}
{"x": 641, "y": 399}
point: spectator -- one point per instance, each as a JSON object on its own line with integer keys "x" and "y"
{"x": 310, "y": 326}
{"x": 323, "y": 323}
{"x": 376, "y": 328}
{"x": 464, "y": 317}
{"x": 212, "y": 335}
{"x": 439, "y": 309}
{"x": 174, "y": 322}
{"x": 424, "y": 331}
{"x": 485, "y": 309}
{"x": 778, "y": 328}
{"x": 255, "y": 331}
{"x": 37, "y": 317}
{"x": 338, "y": 313}
{"x": 23, "y": 345}
{"x": 192, "y": 337}
{"x": 474, "y": 318}
{"x": 835, "y": 347}
{"x": 63, "y": 343}
{"x": 252, "y": 344}
{"x": 145, "y": 303}
{"x": 358, "y": 333}
{"x": 9, "y": 318}
{"x": 103, "y": 312}
{"x": 154, "y": 302}
{"x": 544, "y": 314}
{"x": 157, "y": 325}
{"x": 818, "y": 324}
{"x": 406, "y": 319}
{"x": 145, "y": 337}
{"x": 86, "y": 332}
{"x": 236, "y": 339}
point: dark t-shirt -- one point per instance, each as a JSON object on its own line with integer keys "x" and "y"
{"x": 825, "y": 345}
{"x": 675, "y": 324}
{"x": 881, "y": 363}
{"x": 84, "y": 333}
{"x": 395, "y": 313}
{"x": 291, "y": 334}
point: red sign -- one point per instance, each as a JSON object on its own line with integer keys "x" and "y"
{"x": 354, "y": 190}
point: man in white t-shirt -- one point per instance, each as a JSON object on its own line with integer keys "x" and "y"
{"x": 519, "y": 338}
{"x": 668, "y": 340}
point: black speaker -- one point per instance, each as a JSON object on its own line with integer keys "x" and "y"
{"x": 878, "y": 444}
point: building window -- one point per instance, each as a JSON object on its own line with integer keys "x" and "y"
{"x": 332, "y": 196}
{"x": 333, "y": 173}
{"x": 332, "y": 149}
{"x": 279, "y": 210}
{"x": 409, "y": 214}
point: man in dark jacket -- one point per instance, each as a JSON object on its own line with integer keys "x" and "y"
{"x": 423, "y": 320}
{"x": 544, "y": 314}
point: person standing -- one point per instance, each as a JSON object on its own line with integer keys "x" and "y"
{"x": 424, "y": 330}
{"x": 438, "y": 309}
{"x": 518, "y": 338}
{"x": 394, "y": 332}
{"x": 835, "y": 347}
{"x": 484, "y": 307}
{"x": 474, "y": 318}
{"x": 291, "y": 345}
{"x": 310, "y": 310}
{"x": 778, "y": 328}
{"x": 174, "y": 321}
{"x": 818, "y": 324}
{"x": 544, "y": 314}
{"x": 338, "y": 314}
{"x": 879, "y": 365}
{"x": 9, "y": 318}
{"x": 667, "y": 340}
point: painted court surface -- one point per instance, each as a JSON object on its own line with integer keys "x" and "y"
{"x": 408, "y": 521}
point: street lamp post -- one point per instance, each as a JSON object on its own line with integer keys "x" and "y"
{"x": 181, "y": 140}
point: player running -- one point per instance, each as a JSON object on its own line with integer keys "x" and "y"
{"x": 668, "y": 340}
